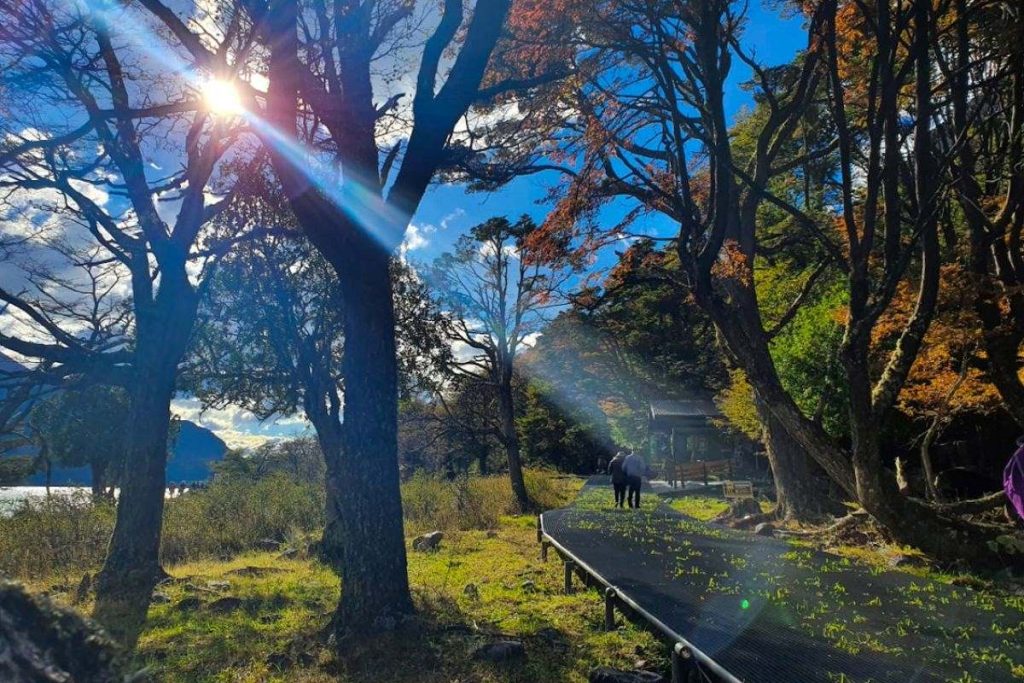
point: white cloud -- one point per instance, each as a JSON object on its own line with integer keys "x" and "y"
{"x": 238, "y": 427}
{"x": 414, "y": 238}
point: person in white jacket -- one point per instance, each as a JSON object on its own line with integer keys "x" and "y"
{"x": 635, "y": 468}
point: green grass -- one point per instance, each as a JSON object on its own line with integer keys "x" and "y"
{"x": 705, "y": 508}
{"x": 286, "y": 603}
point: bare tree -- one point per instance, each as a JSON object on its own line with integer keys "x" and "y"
{"x": 94, "y": 117}
{"x": 498, "y": 290}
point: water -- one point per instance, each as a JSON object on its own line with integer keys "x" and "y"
{"x": 12, "y": 496}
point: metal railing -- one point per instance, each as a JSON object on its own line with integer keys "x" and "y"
{"x": 686, "y": 657}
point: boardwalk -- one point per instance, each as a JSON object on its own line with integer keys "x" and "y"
{"x": 766, "y": 611}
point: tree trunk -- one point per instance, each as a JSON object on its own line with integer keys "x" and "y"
{"x": 329, "y": 436}
{"x": 375, "y": 584}
{"x": 510, "y": 439}
{"x": 132, "y": 566}
{"x": 96, "y": 475}
{"x": 801, "y": 486}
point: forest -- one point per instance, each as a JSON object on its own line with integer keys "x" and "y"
{"x": 467, "y": 246}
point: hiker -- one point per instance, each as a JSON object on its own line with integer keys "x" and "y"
{"x": 1013, "y": 483}
{"x": 618, "y": 478}
{"x": 636, "y": 469}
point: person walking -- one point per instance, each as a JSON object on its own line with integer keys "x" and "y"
{"x": 618, "y": 478}
{"x": 635, "y": 468}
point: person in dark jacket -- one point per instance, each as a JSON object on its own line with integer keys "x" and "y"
{"x": 618, "y": 478}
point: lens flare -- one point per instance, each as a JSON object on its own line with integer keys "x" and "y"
{"x": 222, "y": 97}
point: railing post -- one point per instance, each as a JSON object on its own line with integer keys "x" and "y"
{"x": 568, "y": 566}
{"x": 682, "y": 663}
{"x": 544, "y": 551}
{"x": 540, "y": 531}
{"x": 609, "y": 609}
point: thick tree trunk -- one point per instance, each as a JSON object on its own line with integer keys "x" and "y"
{"x": 801, "y": 486}
{"x": 132, "y": 566}
{"x": 510, "y": 440}
{"x": 375, "y": 584}
{"x": 97, "y": 476}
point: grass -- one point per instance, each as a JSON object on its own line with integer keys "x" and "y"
{"x": 706, "y": 508}
{"x": 480, "y": 586}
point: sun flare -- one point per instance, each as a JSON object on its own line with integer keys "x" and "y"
{"x": 222, "y": 97}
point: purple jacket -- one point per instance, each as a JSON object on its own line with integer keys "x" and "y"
{"x": 1013, "y": 481}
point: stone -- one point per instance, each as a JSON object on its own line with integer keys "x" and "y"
{"x": 160, "y": 598}
{"x": 765, "y": 529}
{"x": 218, "y": 585}
{"x": 528, "y": 587}
{"x": 267, "y": 544}
{"x": 898, "y": 561}
{"x": 42, "y": 642}
{"x": 501, "y": 651}
{"x": 224, "y": 605}
{"x": 604, "y": 674}
{"x": 288, "y": 554}
{"x": 428, "y": 542}
{"x": 471, "y": 591}
{"x": 189, "y": 603}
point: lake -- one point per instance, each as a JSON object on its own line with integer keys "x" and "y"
{"x": 12, "y": 496}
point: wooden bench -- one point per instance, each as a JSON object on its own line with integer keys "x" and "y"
{"x": 700, "y": 471}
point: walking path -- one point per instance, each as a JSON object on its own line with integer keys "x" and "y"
{"x": 765, "y": 610}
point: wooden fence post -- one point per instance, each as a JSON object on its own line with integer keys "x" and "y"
{"x": 568, "y": 566}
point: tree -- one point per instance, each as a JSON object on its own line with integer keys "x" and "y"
{"x": 498, "y": 289}
{"x": 84, "y": 427}
{"x": 652, "y": 97}
{"x": 270, "y": 335}
{"x": 90, "y": 122}
{"x": 327, "y": 110}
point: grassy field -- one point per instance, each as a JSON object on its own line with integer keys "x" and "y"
{"x": 258, "y": 618}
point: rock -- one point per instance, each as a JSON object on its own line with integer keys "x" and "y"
{"x": 42, "y": 642}
{"x": 528, "y": 587}
{"x": 604, "y": 674}
{"x": 428, "y": 542}
{"x": 765, "y": 529}
{"x": 160, "y": 598}
{"x": 189, "y": 603}
{"x": 267, "y": 544}
{"x": 288, "y": 554}
{"x": 84, "y": 588}
{"x": 501, "y": 651}
{"x": 224, "y": 605}
{"x": 218, "y": 585}
{"x": 906, "y": 561}
{"x": 255, "y": 572}
{"x": 471, "y": 591}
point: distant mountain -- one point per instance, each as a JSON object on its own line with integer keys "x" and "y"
{"x": 195, "y": 450}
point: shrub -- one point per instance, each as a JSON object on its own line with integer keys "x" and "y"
{"x": 58, "y": 536}
{"x": 234, "y": 513}
{"x": 432, "y": 502}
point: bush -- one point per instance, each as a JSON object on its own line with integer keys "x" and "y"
{"x": 234, "y": 513}
{"x": 65, "y": 537}
{"x": 60, "y": 536}
{"x": 432, "y": 502}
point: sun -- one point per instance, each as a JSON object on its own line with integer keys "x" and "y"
{"x": 222, "y": 97}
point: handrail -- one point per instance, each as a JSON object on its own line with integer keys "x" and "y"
{"x": 665, "y": 630}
